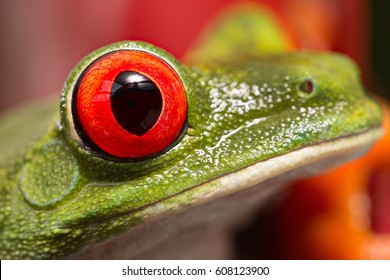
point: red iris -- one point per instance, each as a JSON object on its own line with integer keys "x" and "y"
{"x": 131, "y": 104}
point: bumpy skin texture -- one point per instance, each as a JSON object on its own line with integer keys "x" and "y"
{"x": 58, "y": 196}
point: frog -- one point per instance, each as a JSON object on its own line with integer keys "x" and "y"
{"x": 144, "y": 147}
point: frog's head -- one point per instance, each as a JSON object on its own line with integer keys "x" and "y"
{"x": 99, "y": 172}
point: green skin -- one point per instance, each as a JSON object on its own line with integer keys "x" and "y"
{"x": 53, "y": 204}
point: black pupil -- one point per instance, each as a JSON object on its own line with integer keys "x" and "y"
{"x": 136, "y": 102}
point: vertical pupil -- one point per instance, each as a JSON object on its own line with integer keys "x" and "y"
{"x": 136, "y": 102}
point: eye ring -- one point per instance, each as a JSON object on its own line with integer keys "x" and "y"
{"x": 92, "y": 110}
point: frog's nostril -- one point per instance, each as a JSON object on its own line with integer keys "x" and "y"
{"x": 307, "y": 86}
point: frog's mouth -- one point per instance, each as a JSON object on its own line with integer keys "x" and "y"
{"x": 303, "y": 162}
{"x": 298, "y": 163}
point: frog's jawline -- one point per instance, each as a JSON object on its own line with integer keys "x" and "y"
{"x": 327, "y": 153}
{"x": 268, "y": 176}
{"x": 322, "y": 156}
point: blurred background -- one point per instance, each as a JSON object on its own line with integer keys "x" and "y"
{"x": 42, "y": 40}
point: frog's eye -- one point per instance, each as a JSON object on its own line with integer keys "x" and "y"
{"x": 129, "y": 104}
